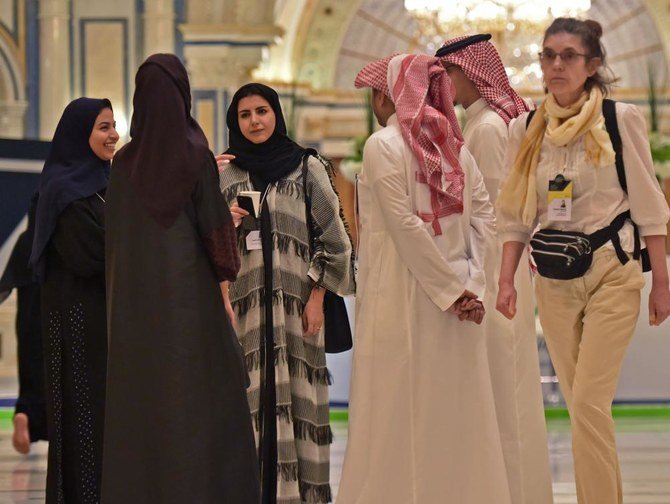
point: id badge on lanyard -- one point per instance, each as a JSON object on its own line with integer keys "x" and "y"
{"x": 559, "y": 199}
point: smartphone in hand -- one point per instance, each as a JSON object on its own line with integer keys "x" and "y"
{"x": 250, "y": 201}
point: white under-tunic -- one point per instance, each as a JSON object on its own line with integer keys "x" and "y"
{"x": 512, "y": 345}
{"x": 422, "y": 426}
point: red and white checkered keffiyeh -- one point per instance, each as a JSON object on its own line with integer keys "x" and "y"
{"x": 423, "y": 96}
{"x": 375, "y": 75}
{"x": 481, "y": 64}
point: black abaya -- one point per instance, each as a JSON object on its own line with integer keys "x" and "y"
{"x": 75, "y": 345}
{"x": 178, "y": 425}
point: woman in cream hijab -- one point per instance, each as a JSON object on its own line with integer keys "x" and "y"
{"x": 588, "y": 320}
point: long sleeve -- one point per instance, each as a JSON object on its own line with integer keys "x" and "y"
{"x": 482, "y": 231}
{"x": 331, "y": 265}
{"x": 215, "y": 224}
{"x": 487, "y": 145}
{"x": 79, "y": 239}
{"x": 414, "y": 244}
{"x": 648, "y": 207}
{"x": 508, "y": 228}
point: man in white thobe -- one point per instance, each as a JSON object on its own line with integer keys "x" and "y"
{"x": 422, "y": 426}
{"x": 490, "y": 103}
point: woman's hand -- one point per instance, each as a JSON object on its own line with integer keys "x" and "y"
{"x": 222, "y": 160}
{"x": 226, "y": 302}
{"x": 659, "y": 297}
{"x": 506, "y": 301}
{"x": 231, "y": 314}
{"x": 659, "y": 305}
{"x": 237, "y": 213}
{"x": 312, "y": 315}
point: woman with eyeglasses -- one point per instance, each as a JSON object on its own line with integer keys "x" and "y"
{"x": 581, "y": 169}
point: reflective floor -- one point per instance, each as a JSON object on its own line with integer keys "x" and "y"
{"x": 644, "y": 448}
{"x": 644, "y": 451}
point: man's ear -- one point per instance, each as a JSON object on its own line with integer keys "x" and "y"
{"x": 387, "y": 102}
{"x": 391, "y": 104}
{"x": 378, "y": 97}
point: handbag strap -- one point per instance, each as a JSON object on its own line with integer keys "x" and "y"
{"x": 308, "y": 199}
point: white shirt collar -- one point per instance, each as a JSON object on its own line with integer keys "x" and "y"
{"x": 475, "y": 108}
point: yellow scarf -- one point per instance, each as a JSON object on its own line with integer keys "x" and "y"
{"x": 518, "y": 197}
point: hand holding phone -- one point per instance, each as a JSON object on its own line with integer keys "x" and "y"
{"x": 250, "y": 201}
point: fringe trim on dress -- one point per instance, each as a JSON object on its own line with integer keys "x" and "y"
{"x": 292, "y": 305}
{"x": 231, "y": 192}
{"x": 283, "y": 242}
{"x": 288, "y": 470}
{"x": 298, "y": 368}
{"x": 322, "y": 435}
{"x": 291, "y": 188}
{"x": 315, "y": 494}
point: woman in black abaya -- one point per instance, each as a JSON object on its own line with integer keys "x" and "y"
{"x": 68, "y": 258}
{"x": 178, "y": 426}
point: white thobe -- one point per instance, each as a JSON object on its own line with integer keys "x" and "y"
{"x": 422, "y": 426}
{"x": 512, "y": 345}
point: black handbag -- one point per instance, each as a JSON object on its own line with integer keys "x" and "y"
{"x": 337, "y": 331}
{"x": 561, "y": 255}
{"x": 564, "y": 255}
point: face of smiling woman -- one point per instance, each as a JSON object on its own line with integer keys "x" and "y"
{"x": 103, "y": 135}
{"x": 256, "y": 118}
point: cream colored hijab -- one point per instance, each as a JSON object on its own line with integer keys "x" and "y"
{"x": 560, "y": 125}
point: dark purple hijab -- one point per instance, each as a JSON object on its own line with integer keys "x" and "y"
{"x": 165, "y": 156}
{"x": 72, "y": 171}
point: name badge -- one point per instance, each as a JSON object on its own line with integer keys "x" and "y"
{"x": 254, "y": 240}
{"x": 559, "y": 199}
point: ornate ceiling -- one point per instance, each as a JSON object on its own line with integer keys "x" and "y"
{"x": 335, "y": 38}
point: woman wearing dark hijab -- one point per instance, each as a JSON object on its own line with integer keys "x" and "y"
{"x": 177, "y": 428}
{"x": 278, "y": 296}
{"x": 68, "y": 257}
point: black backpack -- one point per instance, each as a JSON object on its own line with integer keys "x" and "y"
{"x": 612, "y": 127}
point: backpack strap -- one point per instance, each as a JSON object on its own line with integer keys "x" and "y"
{"x": 308, "y": 199}
{"x": 609, "y": 112}
{"x": 529, "y": 117}
{"x": 612, "y": 126}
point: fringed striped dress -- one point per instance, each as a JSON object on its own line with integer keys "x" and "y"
{"x": 301, "y": 379}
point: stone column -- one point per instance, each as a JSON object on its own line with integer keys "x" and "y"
{"x": 55, "y": 83}
{"x": 159, "y": 20}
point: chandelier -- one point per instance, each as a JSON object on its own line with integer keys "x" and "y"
{"x": 516, "y": 27}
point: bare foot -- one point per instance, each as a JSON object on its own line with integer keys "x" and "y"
{"x": 21, "y": 436}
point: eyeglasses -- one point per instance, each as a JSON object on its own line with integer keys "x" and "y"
{"x": 567, "y": 57}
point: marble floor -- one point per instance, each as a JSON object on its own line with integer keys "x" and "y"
{"x": 644, "y": 448}
{"x": 644, "y": 451}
